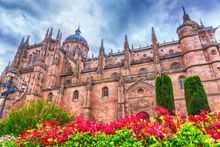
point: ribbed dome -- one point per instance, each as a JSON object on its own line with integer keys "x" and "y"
{"x": 77, "y": 37}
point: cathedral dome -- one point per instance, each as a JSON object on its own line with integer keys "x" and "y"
{"x": 77, "y": 37}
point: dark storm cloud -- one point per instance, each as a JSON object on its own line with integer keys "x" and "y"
{"x": 107, "y": 19}
{"x": 9, "y": 37}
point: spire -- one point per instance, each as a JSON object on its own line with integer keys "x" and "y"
{"x": 156, "y": 55}
{"x": 127, "y": 55}
{"x": 126, "y": 45}
{"x": 101, "y": 61}
{"x": 9, "y": 63}
{"x": 78, "y": 32}
{"x": 47, "y": 33}
{"x": 153, "y": 37}
{"x": 102, "y": 43}
{"x": 27, "y": 40}
{"x": 58, "y": 35}
{"x": 22, "y": 41}
{"x": 185, "y": 15}
{"x": 51, "y": 33}
{"x": 201, "y": 24}
{"x": 101, "y": 49}
{"x": 184, "y": 11}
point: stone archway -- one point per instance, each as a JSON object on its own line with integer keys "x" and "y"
{"x": 140, "y": 98}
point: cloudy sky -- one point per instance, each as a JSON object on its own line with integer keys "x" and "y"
{"x": 107, "y": 19}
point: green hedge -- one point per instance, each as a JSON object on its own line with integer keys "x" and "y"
{"x": 30, "y": 115}
{"x": 164, "y": 93}
{"x": 195, "y": 96}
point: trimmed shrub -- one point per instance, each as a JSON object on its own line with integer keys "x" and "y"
{"x": 30, "y": 115}
{"x": 195, "y": 96}
{"x": 164, "y": 93}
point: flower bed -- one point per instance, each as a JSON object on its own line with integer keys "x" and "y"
{"x": 166, "y": 130}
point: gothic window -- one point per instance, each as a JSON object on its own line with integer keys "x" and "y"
{"x": 115, "y": 76}
{"x": 50, "y": 96}
{"x": 35, "y": 58}
{"x": 171, "y": 51}
{"x": 105, "y": 92}
{"x": 68, "y": 82}
{"x": 181, "y": 82}
{"x": 175, "y": 65}
{"x": 75, "y": 96}
{"x": 30, "y": 59}
{"x": 142, "y": 71}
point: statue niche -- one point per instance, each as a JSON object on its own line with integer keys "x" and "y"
{"x": 140, "y": 97}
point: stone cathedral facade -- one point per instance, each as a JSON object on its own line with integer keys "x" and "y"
{"x": 108, "y": 86}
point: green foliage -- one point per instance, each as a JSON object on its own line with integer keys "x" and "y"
{"x": 195, "y": 96}
{"x": 80, "y": 139}
{"x": 121, "y": 138}
{"x": 8, "y": 143}
{"x": 164, "y": 93}
{"x": 28, "y": 116}
{"x": 188, "y": 135}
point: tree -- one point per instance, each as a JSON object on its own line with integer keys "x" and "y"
{"x": 164, "y": 93}
{"x": 195, "y": 96}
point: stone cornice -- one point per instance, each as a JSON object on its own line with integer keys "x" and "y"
{"x": 201, "y": 64}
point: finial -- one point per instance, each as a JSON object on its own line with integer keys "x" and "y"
{"x": 22, "y": 41}
{"x": 9, "y": 63}
{"x": 58, "y": 35}
{"x": 27, "y": 40}
{"x": 126, "y": 38}
{"x": 47, "y": 33}
{"x": 51, "y": 32}
{"x": 126, "y": 45}
{"x": 79, "y": 26}
{"x": 184, "y": 11}
{"x": 153, "y": 36}
{"x": 201, "y": 23}
{"x": 102, "y": 44}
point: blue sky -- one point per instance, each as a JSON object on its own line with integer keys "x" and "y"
{"x": 107, "y": 19}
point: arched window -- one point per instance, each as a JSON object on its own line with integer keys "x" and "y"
{"x": 142, "y": 71}
{"x": 105, "y": 92}
{"x": 35, "y": 59}
{"x": 181, "y": 82}
{"x": 50, "y": 96}
{"x": 175, "y": 65}
{"x": 30, "y": 59}
{"x": 75, "y": 96}
{"x": 143, "y": 115}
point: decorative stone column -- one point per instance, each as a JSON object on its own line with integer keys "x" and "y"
{"x": 86, "y": 104}
{"x": 121, "y": 98}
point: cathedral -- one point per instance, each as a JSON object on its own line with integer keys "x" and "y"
{"x": 111, "y": 85}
